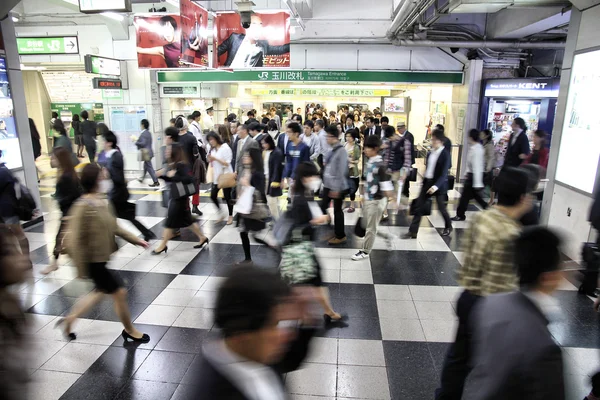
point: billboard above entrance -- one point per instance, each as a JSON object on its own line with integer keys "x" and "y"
{"x": 309, "y": 76}
{"x": 522, "y": 87}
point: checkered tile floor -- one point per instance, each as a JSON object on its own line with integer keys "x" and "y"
{"x": 400, "y": 305}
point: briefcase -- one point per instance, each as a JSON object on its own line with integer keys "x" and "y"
{"x": 182, "y": 190}
{"x": 413, "y": 175}
{"x": 425, "y": 208}
{"x": 451, "y": 180}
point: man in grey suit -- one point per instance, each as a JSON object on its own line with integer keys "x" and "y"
{"x": 515, "y": 356}
{"x": 144, "y": 145}
{"x": 242, "y": 144}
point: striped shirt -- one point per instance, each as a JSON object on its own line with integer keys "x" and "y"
{"x": 488, "y": 266}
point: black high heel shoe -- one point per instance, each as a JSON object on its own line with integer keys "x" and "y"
{"x": 68, "y": 335}
{"x": 127, "y": 337}
{"x": 155, "y": 253}
{"x": 201, "y": 245}
{"x": 328, "y": 320}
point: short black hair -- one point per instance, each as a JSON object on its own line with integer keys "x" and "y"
{"x": 265, "y": 120}
{"x": 511, "y": 185}
{"x": 332, "y": 130}
{"x": 190, "y": 117}
{"x": 231, "y": 117}
{"x": 254, "y": 126}
{"x": 389, "y": 131}
{"x": 370, "y": 119}
{"x": 89, "y": 177}
{"x": 372, "y": 142}
{"x": 145, "y": 123}
{"x": 173, "y": 133}
{"x": 440, "y": 127}
{"x": 251, "y": 114}
{"x": 272, "y": 125}
{"x": 376, "y": 121}
{"x": 534, "y": 173}
{"x": 269, "y": 141}
{"x": 295, "y": 127}
{"x": 54, "y": 114}
{"x": 521, "y": 123}
{"x": 84, "y": 114}
{"x": 438, "y": 134}
{"x": 319, "y": 122}
{"x": 537, "y": 250}
{"x": 352, "y": 132}
{"x": 196, "y": 114}
{"x": 309, "y": 123}
{"x": 385, "y": 119}
{"x": 474, "y": 134}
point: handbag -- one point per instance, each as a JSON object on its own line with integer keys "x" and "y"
{"x": 144, "y": 155}
{"x": 166, "y": 196}
{"x": 243, "y": 205}
{"x": 425, "y": 207}
{"x": 413, "y": 175}
{"x": 226, "y": 180}
{"x": 210, "y": 174}
{"x": 359, "y": 228}
{"x": 260, "y": 210}
{"x": 451, "y": 180}
{"x": 180, "y": 189}
{"x": 298, "y": 263}
{"x": 26, "y": 203}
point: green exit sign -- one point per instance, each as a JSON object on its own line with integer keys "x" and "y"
{"x": 47, "y": 45}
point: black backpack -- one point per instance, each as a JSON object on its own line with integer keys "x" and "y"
{"x": 26, "y": 203}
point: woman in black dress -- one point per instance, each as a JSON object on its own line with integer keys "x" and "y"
{"x": 306, "y": 182}
{"x": 178, "y": 214}
{"x": 252, "y": 175}
{"x": 76, "y": 124}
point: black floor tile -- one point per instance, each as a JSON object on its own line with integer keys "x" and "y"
{"x": 53, "y": 305}
{"x": 447, "y": 278}
{"x": 143, "y": 294}
{"x": 156, "y": 332}
{"x": 38, "y": 228}
{"x": 130, "y": 278}
{"x": 185, "y": 392}
{"x": 419, "y": 383}
{"x": 76, "y": 288}
{"x": 359, "y": 328}
{"x": 155, "y": 280}
{"x": 162, "y": 366}
{"x": 208, "y": 255}
{"x": 387, "y": 276}
{"x": 119, "y": 362}
{"x": 438, "y": 354}
{"x": 199, "y": 268}
{"x": 362, "y": 308}
{"x": 96, "y": 310}
{"x": 409, "y": 355}
{"x": 333, "y": 289}
{"x": 109, "y": 314}
{"x": 144, "y": 390}
{"x": 41, "y": 255}
{"x": 568, "y": 332}
{"x": 95, "y": 386}
{"x": 150, "y": 209}
{"x": 579, "y": 306}
{"x": 357, "y": 291}
{"x": 455, "y": 240}
{"x": 195, "y": 370}
{"x": 443, "y": 261}
{"x": 182, "y": 340}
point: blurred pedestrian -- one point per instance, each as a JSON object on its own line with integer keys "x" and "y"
{"x": 220, "y": 157}
{"x": 473, "y": 186}
{"x": 539, "y": 154}
{"x": 273, "y": 164}
{"x": 144, "y": 145}
{"x": 88, "y": 130}
{"x": 353, "y": 150}
{"x": 37, "y": 146}
{"x": 518, "y": 144}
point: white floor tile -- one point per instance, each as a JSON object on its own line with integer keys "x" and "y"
{"x": 119, "y": 262}
{"x": 330, "y": 263}
{"x": 50, "y": 385}
{"x": 49, "y": 332}
{"x": 182, "y": 256}
{"x": 35, "y": 322}
{"x": 159, "y": 315}
{"x": 330, "y": 275}
{"x": 190, "y": 282}
{"x": 169, "y": 267}
{"x": 203, "y": 299}
{"x": 409, "y": 330}
{"x": 174, "y": 297}
{"x": 435, "y": 310}
{"x": 585, "y": 360}
{"x": 361, "y": 352}
{"x": 29, "y": 300}
{"x": 313, "y": 379}
{"x": 42, "y": 351}
{"x": 140, "y": 264}
{"x": 453, "y": 293}
{"x": 213, "y": 283}
{"x": 323, "y": 350}
{"x": 439, "y": 331}
{"x": 198, "y": 318}
{"x": 45, "y": 286}
{"x": 348, "y": 276}
{"x": 393, "y": 309}
{"x": 363, "y": 382}
{"x": 74, "y": 357}
{"x": 460, "y": 256}
{"x": 99, "y": 332}
{"x": 360, "y": 265}
{"x": 392, "y": 292}
{"x": 428, "y": 293}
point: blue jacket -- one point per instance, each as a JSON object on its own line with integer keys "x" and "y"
{"x": 295, "y": 155}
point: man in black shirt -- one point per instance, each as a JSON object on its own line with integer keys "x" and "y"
{"x": 190, "y": 147}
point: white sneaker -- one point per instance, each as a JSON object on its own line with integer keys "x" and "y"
{"x": 361, "y": 255}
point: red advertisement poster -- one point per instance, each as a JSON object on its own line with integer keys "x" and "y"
{"x": 158, "y": 39}
{"x": 266, "y": 43}
{"x": 194, "y": 34}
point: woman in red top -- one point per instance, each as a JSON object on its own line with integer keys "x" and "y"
{"x": 539, "y": 153}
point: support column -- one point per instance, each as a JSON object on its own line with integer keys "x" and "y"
{"x": 27, "y": 175}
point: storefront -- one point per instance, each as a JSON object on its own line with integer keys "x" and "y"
{"x": 9, "y": 139}
{"x": 534, "y": 100}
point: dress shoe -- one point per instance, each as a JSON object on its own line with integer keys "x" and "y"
{"x": 140, "y": 180}
{"x": 409, "y": 235}
{"x": 447, "y": 231}
{"x": 155, "y": 184}
{"x": 335, "y": 240}
{"x": 196, "y": 211}
{"x": 458, "y": 219}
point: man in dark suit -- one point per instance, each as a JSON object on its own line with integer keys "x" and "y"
{"x": 242, "y": 144}
{"x": 251, "y": 118}
{"x": 518, "y": 145}
{"x": 372, "y": 129}
{"x": 403, "y": 132}
{"x": 256, "y": 131}
{"x": 435, "y": 184}
{"x": 247, "y": 50}
{"x": 515, "y": 355}
{"x": 144, "y": 145}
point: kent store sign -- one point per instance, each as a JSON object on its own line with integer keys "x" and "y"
{"x": 537, "y": 88}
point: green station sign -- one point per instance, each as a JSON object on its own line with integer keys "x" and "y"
{"x": 47, "y": 45}
{"x": 311, "y": 76}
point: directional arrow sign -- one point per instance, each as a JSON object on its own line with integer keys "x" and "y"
{"x": 48, "y": 45}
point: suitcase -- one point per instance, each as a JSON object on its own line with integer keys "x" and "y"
{"x": 590, "y": 254}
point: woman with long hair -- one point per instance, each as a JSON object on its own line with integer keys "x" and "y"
{"x": 67, "y": 192}
{"x": 37, "y": 146}
{"x": 252, "y": 175}
{"x": 179, "y": 214}
{"x": 220, "y": 160}
{"x": 489, "y": 151}
{"x": 539, "y": 153}
{"x": 273, "y": 166}
{"x": 308, "y": 180}
{"x": 353, "y": 149}
{"x": 90, "y": 243}
{"x": 76, "y": 125}
{"x": 224, "y": 132}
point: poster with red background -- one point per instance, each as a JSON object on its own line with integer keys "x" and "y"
{"x": 158, "y": 39}
{"x": 266, "y": 43}
{"x": 194, "y": 34}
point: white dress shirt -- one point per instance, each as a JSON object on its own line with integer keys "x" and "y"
{"x": 432, "y": 161}
{"x": 196, "y": 131}
{"x": 475, "y": 164}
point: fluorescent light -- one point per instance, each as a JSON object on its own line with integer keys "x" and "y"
{"x": 174, "y": 3}
{"x": 15, "y": 19}
{"x": 112, "y": 15}
{"x": 74, "y": 2}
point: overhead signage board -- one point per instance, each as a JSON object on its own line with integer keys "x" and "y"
{"x": 105, "y": 83}
{"x": 523, "y": 87}
{"x": 308, "y": 76}
{"x": 47, "y": 45}
{"x": 102, "y": 65}
{"x": 394, "y": 104}
{"x": 98, "y": 6}
{"x": 321, "y": 92}
{"x": 180, "y": 91}
{"x": 112, "y": 94}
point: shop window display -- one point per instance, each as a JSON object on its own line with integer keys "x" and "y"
{"x": 9, "y": 141}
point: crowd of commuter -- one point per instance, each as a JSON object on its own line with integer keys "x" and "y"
{"x": 299, "y": 174}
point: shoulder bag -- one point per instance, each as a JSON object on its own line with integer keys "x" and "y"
{"x": 298, "y": 263}
{"x": 226, "y": 180}
{"x": 179, "y": 189}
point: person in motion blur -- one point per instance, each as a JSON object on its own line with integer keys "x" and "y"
{"x": 90, "y": 243}
{"x": 35, "y": 143}
{"x": 76, "y": 125}
{"x": 144, "y": 145}
{"x": 514, "y": 353}
{"x": 88, "y": 130}
{"x": 220, "y": 159}
{"x": 297, "y": 151}
{"x": 63, "y": 141}
{"x": 539, "y": 154}
{"x": 487, "y": 140}
{"x": 189, "y": 144}
{"x": 265, "y": 331}
{"x": 178, "y": 213}
{"x": 119, "y": 194}
{"x": 435, "y": 184}
{"x": 474, "y": 185}
{"x": 353, "y": 149}
{"x": 67, "y": 192}
{"x": 14, "y": 346}
{"x": 378, "y": 188}
{"x": 335, "y": 183}
{"x": 273, "y": 163}
{"x": 399, "y": 160}
{"x": 488, "y": 268}
{"x": 518, "y": 144}
{"x": 407, "y": 136}
{"x": 311, "y": 140}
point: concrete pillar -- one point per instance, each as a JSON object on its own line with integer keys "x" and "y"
{"x": 28, "y": 174}
{"x": 466, "y": 106}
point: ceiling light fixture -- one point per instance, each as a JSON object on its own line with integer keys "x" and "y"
{"x": 15, "y": 19}
{"x": 112, "y": 15}
{"x": 290, "y": 5}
